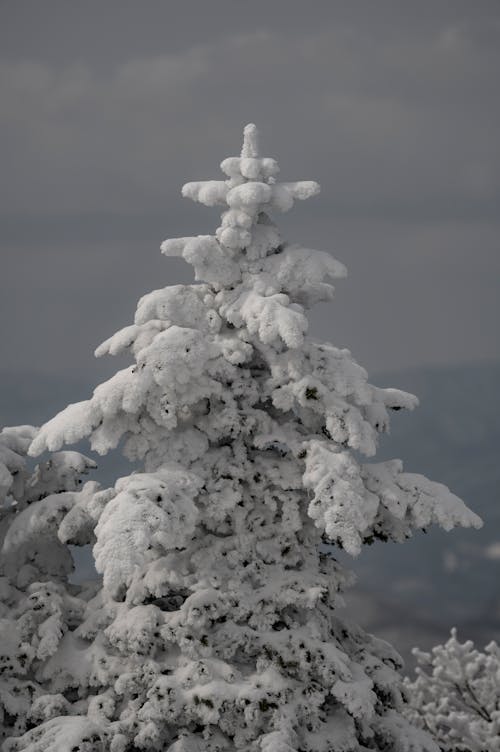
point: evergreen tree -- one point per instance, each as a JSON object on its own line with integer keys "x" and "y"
{"x": 37, "y": 602}
{"x": 217, "y": 626}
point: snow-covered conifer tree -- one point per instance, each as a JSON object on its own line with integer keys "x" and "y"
{"x": 456, "y": 696}
{"x": 37, "y": 603}
{"x": 217, "y": 627}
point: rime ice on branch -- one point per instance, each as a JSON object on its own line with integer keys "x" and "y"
{"x": 456, "y": 695}
{"x": 217, "y": 625}
{"x": 37, "y": 603}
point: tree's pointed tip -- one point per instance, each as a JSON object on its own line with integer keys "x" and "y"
{"x": 250, "y": 141}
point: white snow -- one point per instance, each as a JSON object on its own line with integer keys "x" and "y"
{"x": 216, "y": 624}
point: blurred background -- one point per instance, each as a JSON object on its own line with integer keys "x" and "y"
{"x": 108, "y": 108}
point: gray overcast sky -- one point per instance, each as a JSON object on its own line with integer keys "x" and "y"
{"x": 108, "y": 107}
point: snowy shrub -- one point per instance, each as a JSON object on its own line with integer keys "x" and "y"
{"x": 456, "y": 696}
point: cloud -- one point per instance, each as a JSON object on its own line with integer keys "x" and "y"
{"x": 106, "y": 113}
{"x": 492, "y": 551}
{"x": 390, "y": 123}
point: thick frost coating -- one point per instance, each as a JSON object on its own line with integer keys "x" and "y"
{"x": 61, "y": 735}
{"x": 37, "y": 604}
{"x": 217, "y": 627}
{"x": 14, "y": 444}
{"x": 456, "y": 695}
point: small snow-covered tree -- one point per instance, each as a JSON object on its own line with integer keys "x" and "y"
{"x": 37, "y": 603}
{"x": 456, "y": 696}
{"x": 217, "y": 627}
